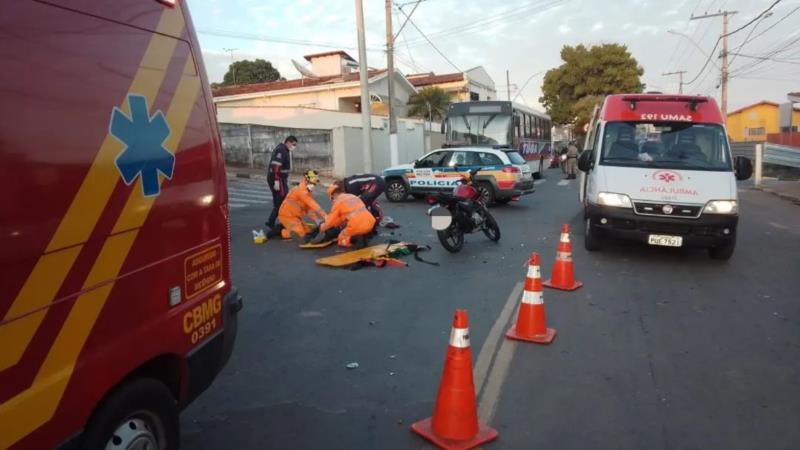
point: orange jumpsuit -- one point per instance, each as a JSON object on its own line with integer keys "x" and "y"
{"x": 298, "y": 204}
{"x": 350, "y": 210}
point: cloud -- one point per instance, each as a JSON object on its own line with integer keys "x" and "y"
{"x": 671, "y": 12}
{"x": 564, "y": 29}
{"x": 598, "y": 26}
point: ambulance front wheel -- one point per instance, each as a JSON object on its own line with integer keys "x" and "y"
{"x": 142, "y": 413}
{"x": 591, "y": 238}
{"x": 723, "y": 252}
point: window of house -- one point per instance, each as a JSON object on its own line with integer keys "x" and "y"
{"x": 474, "y": 97}
{"x": 755, "y": 131}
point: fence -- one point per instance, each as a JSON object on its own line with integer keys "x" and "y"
{"x": 784, "y": 160}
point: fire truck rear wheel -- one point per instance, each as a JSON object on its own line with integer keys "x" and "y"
{"x": 140, "y": 414}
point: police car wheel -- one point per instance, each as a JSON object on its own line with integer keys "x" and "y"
{"x": 396, "y": 191}
{"x": 140, "y": 414}
{"x": 487, "y": 193}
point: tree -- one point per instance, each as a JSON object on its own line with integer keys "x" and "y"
{"x": 571, "y": 90}
{"x": 434, "y": 96}
{"x": 249, "y": 72}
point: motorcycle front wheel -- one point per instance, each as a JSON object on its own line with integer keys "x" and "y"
{"x": 490, "y": 228}
{"x": 452, "y": 238}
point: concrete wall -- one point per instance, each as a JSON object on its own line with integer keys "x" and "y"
{"x": 348, "y": 156}
{"x": 252, "y": 145}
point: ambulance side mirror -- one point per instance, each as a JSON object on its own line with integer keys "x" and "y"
{"x": 586, "y": 161}
{"x": 743, "y": 167}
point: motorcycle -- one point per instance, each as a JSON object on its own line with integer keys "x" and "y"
{"x": 460, "y": 212}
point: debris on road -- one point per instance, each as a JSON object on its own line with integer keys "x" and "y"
{"x": 352, "y": 365}
{"x": 259, "y": 237}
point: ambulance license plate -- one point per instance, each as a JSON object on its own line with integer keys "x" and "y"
{"x": 666, "y": 241}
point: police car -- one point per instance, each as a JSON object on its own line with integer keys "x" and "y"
{"x": 503, "y": 176}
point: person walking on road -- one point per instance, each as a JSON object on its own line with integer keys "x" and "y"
{"x": 348, "y": 219}
{"x": 298, "y": 205}
{"x": 278, "y": 176}
{"x": 368, "y": 188}
{"x": 572, "y": 161}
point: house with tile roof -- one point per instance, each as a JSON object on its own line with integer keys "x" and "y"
{"x": 472, "y": 85}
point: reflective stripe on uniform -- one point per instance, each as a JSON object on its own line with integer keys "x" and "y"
{"x": 459, "y": 337}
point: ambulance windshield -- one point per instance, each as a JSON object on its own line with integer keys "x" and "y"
{"x": 673, "y": 145}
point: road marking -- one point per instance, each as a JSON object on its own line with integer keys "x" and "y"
{"x": 542, "y": 181}
{"x": 487, "y": 405}
{"x": 246, "y": 195}
{"x": 237, "y": 205}
{"x": 778, "y": 226}
{"x": 493, "y": 339}
{"x": 564, "y": 182}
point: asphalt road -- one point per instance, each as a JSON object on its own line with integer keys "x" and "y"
{"x": 661, "y": 349}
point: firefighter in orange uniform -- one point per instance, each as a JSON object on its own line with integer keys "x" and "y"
{"x": 348, "y": 214}
{"x": 299, "y": 204}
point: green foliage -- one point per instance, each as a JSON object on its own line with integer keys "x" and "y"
{"x": 249, "y": 72}
{"x": 587, "y": 75}
{"x": 434, "y": 96}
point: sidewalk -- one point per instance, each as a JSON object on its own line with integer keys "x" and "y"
{"x": 787, "y": 190}
{"x": 260, "y": 174}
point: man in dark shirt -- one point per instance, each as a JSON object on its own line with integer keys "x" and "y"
{"x": 278, "y": 175}
{"x": 368, "y": 187}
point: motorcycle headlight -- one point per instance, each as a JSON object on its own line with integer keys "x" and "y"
{"x": 615, "y": 200}
{"x": 721, "y": 207}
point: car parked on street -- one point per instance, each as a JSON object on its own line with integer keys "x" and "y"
{"x": 503, "y": 174}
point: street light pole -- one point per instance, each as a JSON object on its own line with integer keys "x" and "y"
{"x": 393, "y": 153}
{"x": 233, "y": 68}
{"x": 724, "y": 55}
{"x": 679, "y": 73}
{"x": 366, "y": 120}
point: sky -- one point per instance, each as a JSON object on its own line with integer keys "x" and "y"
{"x": 524, "y": 37}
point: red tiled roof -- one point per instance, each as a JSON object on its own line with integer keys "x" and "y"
{"x": 290, "y": 84}
{"x": 335, "y": 52}
{"x": 437, "y": 79}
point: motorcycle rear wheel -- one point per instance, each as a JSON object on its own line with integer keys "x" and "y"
{"x": 452, "y": 238}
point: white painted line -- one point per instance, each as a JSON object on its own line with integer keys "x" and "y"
{"x": 237, "y": 205}
{"x": 241, "y": 189}
{"x": 564, "y": 182}
{"x": 487, "y": 404}
{"x": 542, "y": 181}
{"x": 496, "y": 334}
{"x": 778, "y": 226}
{"x": 245, "y": 195}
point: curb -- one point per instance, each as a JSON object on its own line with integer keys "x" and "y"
{"x": 791, "y": 198}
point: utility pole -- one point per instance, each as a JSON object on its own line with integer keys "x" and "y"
{"x": 366, "y": 120}
{"x": 508, "y": 85}
{"x": 233, "y": 69}
{"x": 679, "y": 73}
{"x": 393, "y": 153}
{"x": 723, "y": 55}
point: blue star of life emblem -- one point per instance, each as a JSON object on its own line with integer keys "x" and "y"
{"x": 144, "y": 154}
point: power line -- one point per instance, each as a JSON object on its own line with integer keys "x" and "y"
{"x": 512, "y": 15}
{"x": 754, "y": 19}
{"x": 775, "y": 24}
{"x": 256, "y": 37}
{"x": 429, "y": 41}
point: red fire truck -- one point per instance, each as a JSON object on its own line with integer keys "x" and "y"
{"x": 116, "y": 303}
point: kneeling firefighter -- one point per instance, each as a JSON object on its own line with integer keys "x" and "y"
{"x": 348, "y": 219}
{"x": 299, "y": 204}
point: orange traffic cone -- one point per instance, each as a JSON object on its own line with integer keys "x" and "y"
{"x": 563, "y": 274}
{"x": 531, "y": 324}
{"x": 454, "y": 425}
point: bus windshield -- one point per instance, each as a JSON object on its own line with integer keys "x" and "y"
{"x": 673, "y": 145}
{"x": 479, "y": 129}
